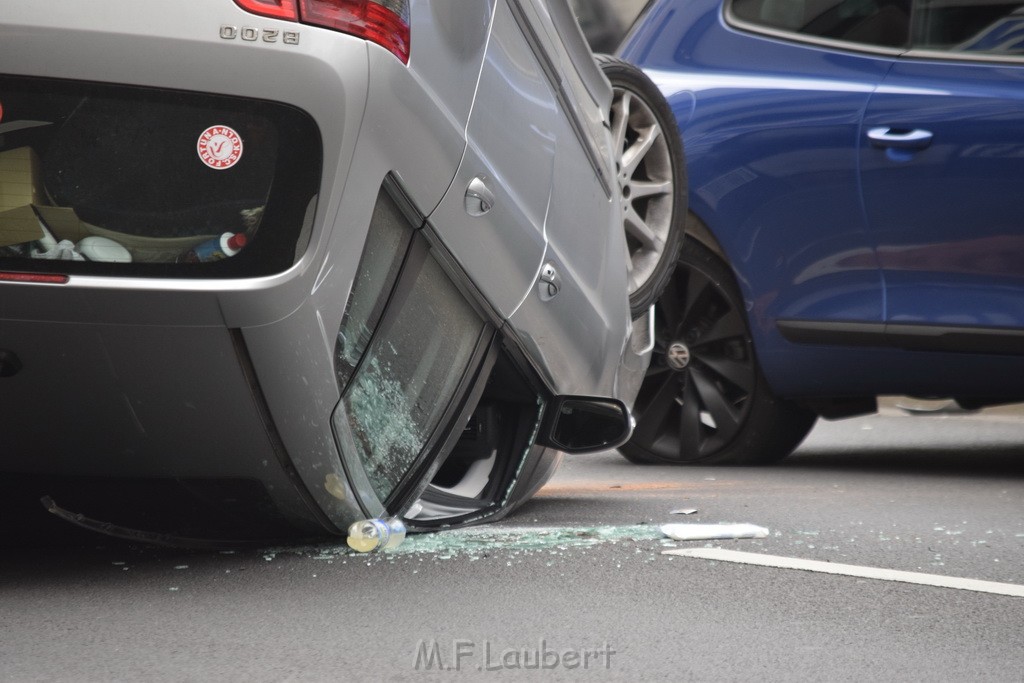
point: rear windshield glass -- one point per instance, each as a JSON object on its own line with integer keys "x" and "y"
{"x": 133, "y": 181}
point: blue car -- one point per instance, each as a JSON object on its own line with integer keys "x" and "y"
{"x": 856, "y": 216}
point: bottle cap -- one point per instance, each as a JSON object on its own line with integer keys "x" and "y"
{"x": 237, "y": 241}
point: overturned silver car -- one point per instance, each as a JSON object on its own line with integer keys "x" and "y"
{"x": 268, "y": 267}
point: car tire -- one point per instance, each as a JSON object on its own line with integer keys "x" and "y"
{"x": 651, "y": 177}
{"x": 704, "y": 400}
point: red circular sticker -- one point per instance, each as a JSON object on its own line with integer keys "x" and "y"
{"x": 220, "y": 147}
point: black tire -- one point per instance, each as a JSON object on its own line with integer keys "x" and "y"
{"x": 651, "y": 174}
{"x": 717, "y": 408}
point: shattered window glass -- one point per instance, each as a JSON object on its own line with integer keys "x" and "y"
{"x": 408, "y": 379}
{"x": 382, "y": 257}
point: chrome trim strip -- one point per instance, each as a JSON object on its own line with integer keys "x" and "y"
{"x": 974, "y": 57}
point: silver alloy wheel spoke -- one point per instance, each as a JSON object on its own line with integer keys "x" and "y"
{"x": 636, "y": 227}
{"x": 646, "y": 183}
{"x": 637, "y": 152}
{"x": 643, "y": 188}
{"x": 620, "y": 112}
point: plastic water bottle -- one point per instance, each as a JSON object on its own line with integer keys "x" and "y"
{"x": 228, "y": 244}
{"x": 375, "y": 534}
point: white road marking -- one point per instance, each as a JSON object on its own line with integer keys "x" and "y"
{"x": 723, "y": 555}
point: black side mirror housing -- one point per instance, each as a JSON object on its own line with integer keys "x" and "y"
{"x": 581, "y": 424}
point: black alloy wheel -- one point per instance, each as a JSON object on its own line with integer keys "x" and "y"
{"x": 704, "y": 399}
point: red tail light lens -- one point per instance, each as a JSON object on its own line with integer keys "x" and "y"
{"x": 385, "y": 22}
{"x": 279, "y": 9}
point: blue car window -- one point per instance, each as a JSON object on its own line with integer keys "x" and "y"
{"x": 876, "y": 23}
{"x": 973, "y": 27}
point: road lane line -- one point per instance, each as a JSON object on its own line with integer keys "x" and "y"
{"x": 779, "y": 562}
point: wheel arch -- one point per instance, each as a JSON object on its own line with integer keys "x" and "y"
{"x": 697, "y": 229}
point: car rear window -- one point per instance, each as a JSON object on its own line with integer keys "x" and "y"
{"x": 877, "y": 23}
{"x": 969, "y": 26}
{"x": 113, "y": 180}
{"x": 993, "y": 27}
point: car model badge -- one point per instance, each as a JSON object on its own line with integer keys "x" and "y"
{"x": 251, "y": 34}
{"x": 220, "y": 147}
{"x": 678, "y": 356}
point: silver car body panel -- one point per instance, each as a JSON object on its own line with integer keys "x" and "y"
{"x": 569, "y": 215}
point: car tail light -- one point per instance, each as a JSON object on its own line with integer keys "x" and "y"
{"x": 385, "y": 22}
{"x": 279, "y": 9}
{"x": 45, "y": 278}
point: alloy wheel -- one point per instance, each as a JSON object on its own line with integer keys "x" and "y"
{"x": 697, "y": 393}
{"x": 643, "y": 166}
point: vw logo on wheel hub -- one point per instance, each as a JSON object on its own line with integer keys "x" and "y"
{"x": 678, "y": 356}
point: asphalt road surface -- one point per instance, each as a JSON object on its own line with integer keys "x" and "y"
{"x": 576, "y": 585}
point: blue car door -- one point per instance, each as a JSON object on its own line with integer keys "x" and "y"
{"x": 942, "y": 167}
{"x": 770, "y": 98}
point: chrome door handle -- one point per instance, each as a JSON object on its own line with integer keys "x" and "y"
{"x": 549, "y": 283}
{"x": 479, "y": 198}
{"x": 900, "y": 138}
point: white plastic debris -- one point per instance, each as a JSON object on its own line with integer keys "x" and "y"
{"x": 95, "y": 248}
{"x": 59, "y": 251}
{"x": 49, "y": 248}
{"x": 709, "y": 532}
{"x": 684, "y": 511}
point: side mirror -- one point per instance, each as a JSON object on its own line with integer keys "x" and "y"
{"x": 576, "y": 424}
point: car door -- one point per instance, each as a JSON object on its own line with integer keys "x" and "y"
{"x": 942, "y": 164}
{"x": 769, "y": 95}
{"x": 577, "y": 316}
{"x": 492, "y": 217}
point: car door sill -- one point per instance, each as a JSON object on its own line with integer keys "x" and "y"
{"x": 907, "y": 336}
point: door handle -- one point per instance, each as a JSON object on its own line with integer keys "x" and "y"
{"x": 479, "y": 198}
{"x": 900, "y": 138}
{"x": 549, "y": 284}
